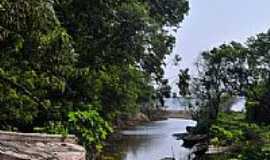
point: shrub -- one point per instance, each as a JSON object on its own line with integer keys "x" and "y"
{"x": 90, "y": 128}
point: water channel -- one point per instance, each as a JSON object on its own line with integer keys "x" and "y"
{"x": 154, "y": 140}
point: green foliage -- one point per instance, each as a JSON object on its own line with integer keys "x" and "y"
{"x": 183, "y": 84}
{"x": 246, "y": 71}
{"x": 124, "y": 32}
{"x": 232, "y": 128}
{"x": 250, "y": 108}
{"x": 89, "y": 127}
{"x": 54, "y": 128}
{"x": 163, "y": 91}
{"x": 229, "y": 128}
{"x": 235, "y": 69}
{"x": 253, "y": 151}
{"x": 221, "y": 133}
{"x": 222, "y": 71}
{"x": 73, "y": 66}
{"x": 36, "y": 56}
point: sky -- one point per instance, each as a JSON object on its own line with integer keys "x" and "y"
{"x": 213, "y": 22}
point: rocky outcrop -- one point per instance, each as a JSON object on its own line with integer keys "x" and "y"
{"x": 138, "y": 118}
{"x": 32, "y": 146}
{"x": 190, "y": 129}
{"x": 190, "y": 140}
{"x": 199, "y": 149}
{"x": 218, "y": 150}
{"x": 168, "y": 158}
{"x": 179, "y": 136}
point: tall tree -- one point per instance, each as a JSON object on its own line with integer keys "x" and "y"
{"x": 183, "y": 84}
{"x": 222, "y": 70}
{"x": 79, "y": 64}
{"x": 36, "y": 58}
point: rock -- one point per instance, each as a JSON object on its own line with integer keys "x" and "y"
{"x": 137, "y": 119}
{"x": 140, "y": 117}
{"x": 216, "y": 150}
{"x": 179, "y": 136}
{"x": 200, "y": 149}
{"x": 168, "y": 158}
{"x": 32, "y": 146}
{"x": 190, "y": 140}
{"x": 190, "y": 129}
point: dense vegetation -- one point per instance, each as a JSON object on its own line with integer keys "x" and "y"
{"x": 227, "y": 71}
{"x": 76, "y": 66}
{"x": 248, "y": 140}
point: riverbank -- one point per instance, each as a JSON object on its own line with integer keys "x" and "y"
{"x": 141, "y": 119}
{"x": 123, "y": 124}
{"x": 150, "y": 115}
{"x": 131, "y": 122}
{"x": 200, "y": 141}
{"x": 152, "y": 140}
{"x": 231, "y": 136}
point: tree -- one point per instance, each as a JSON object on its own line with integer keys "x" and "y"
{"x": 122, "y": 32}
{"x": 164, "y": 91}
{"x": 258, "y": 107}
{"x": 235, "y": 70}
{"x": 36, "y": 58}
{"x": 183, "y": 83}
{"x": 70, "y": 63}
{"x": 222, "y": 70}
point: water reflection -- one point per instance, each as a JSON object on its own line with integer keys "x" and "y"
{"x": 154, "y": 141}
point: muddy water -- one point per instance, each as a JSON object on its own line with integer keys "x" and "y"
{"x": 153, "y": 141}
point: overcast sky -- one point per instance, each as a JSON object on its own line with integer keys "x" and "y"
{"x": 213, "y": 22}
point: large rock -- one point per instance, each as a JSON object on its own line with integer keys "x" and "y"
{"x": 200, "y": 149}
{"x": 168, "y": 158}
{"x": 191, "y": 139}
{"x": 190, "y": 129}
{"x": 179, "y": 136}
{"x": 140, "y": 117}
{"x": 30, "y": 146}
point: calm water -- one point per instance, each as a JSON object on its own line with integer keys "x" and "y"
{"x": 176, "y": 103}
{"x": 154, "y": 141}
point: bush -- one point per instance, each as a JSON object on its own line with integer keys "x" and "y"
{"x": 251, "y": 109}
{"x": 56, "y": 127}
{"x": 222, "y": 134}
{"x": 90, "y": 128}
{"x": 255, "y": 152}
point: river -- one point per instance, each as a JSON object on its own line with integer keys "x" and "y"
{"x": 154, "y": 140}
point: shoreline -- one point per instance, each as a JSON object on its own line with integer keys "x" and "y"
{"x": 161, "y": 132}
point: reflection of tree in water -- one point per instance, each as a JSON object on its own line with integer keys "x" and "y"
{"x": 134, "y": 144}
{"x": 152, "y": 141}
{"x": 130, "y": 143}
{"x": 158, "y": 143}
